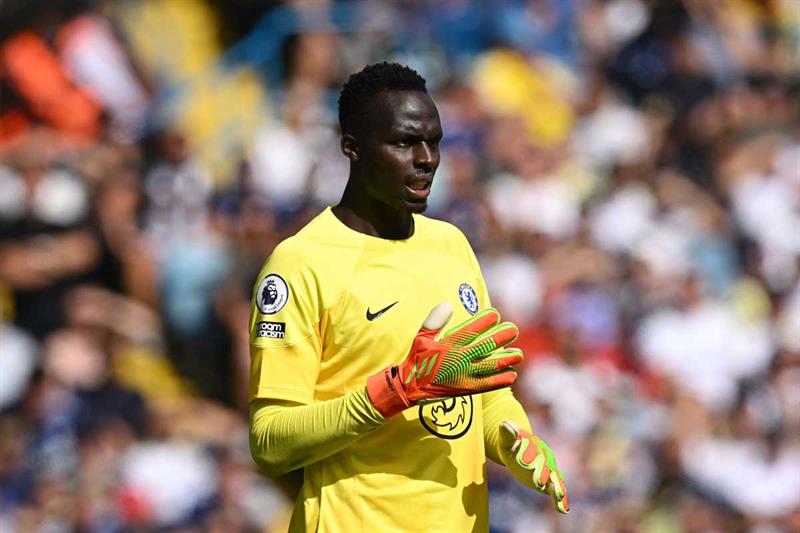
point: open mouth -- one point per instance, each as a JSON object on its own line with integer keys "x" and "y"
{"x": 419, "y": 187}
{"x": 419, "y": 184}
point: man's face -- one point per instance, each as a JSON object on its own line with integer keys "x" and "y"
{"x": 398, "y": 146}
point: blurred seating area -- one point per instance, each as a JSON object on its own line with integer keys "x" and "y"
{"x": 628, "y": 172}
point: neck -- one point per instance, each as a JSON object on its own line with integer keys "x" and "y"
{"x": 364, "y": 214}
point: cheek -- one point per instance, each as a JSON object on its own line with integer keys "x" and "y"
{"x": 393, "y": 166}
{"x": 395, "y": 158}
{"x": 388, "y": 180}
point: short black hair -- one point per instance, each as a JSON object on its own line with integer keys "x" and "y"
{"x": 363, "y": 86}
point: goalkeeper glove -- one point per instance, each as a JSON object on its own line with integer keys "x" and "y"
{"x": 532, "y": 462}
{"x": 466, "y": 359}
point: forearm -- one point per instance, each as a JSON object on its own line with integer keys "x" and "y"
{"x": 36, "y": 262}
{"x": 286, "y": 437}
{"x": 498, "y": 406}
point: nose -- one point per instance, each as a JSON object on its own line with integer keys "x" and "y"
{"x": 426, "y": 156}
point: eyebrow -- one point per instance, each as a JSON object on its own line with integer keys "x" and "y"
{"x": 415, "y": 131}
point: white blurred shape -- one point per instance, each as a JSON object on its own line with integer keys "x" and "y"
{"x": 97, "y": 61}
{"x": 12, "y": 201}
{"x": 544, "y": 204}
{"x": 177, "y": 201}
{"x": 261, "y": 502}
{"x": 745, "y": 475}
{"x": 664, "y": 248}
{"x": 573, "y": 393}
{"x": 174, "y": 478}
{"x": 515, "y": 285}
{"x": 618, "y": 223}
{"x": 60, "y": 199}
{"x": 767, "y": 209}
{"x": 18, "y": 357}
{"x": 787, "y": 168}
{"x": 614, "y": 133}
{"x": 705, "y": 350}
{"x": 282, "y": 163}
{"x": 625, "y": 19}
{"x": 788, "y": 323}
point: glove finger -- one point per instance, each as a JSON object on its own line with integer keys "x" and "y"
{"x": 496, "y": 337}
{"x": 509, "y": 435}
{"x": 497, "y": 380}
{"x": 465, "y": 332}
{"x": 538, "y": 467}
{"x": 438, "y": 317}
{"x": 563, "y": 505}
{"x": 498, "y": 360}
{"x": 503, "y": 378}
{"x": 558, "y": 490}
{"x": 544, "y": 477}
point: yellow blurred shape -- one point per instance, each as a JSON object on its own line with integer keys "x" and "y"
{"x": 6, "y": 304}
{"x": 511, "y": 85}
{"x": 176, "y": 43}
{"x": 149, "y": 373}
{"x": 750, "y": 300}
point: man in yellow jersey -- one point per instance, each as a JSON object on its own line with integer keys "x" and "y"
{"x": 378, "y": 366}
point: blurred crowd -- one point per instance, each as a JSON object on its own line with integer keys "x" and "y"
{"x": 628, "y": 172}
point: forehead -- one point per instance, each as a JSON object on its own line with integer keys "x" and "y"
{"x": 402, "y": 110}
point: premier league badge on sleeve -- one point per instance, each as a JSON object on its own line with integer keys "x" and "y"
{"x": 272, "y": 294}
{"x": 468, "y": 298}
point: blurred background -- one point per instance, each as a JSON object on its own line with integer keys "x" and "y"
{"x": 628, "y": 172}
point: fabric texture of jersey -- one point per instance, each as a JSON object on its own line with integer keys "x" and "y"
{"x": 332, "y": 307}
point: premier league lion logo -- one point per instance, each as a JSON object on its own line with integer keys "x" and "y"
{"x": 272, "y": 294}
{"x": 269, "y": 294}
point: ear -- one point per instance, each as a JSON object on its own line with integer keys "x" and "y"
{"x": 349, "y": 146}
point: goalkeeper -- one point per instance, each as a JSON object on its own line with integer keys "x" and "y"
{"x": 378, "y": 366}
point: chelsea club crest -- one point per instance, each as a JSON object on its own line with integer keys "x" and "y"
{"x": 468, "y": 298}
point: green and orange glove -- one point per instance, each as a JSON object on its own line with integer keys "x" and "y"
{"x": 533, "y": 463}
{"x": 466, "y": 359}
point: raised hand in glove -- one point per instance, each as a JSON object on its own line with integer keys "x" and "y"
{"x": 466, "y": 359}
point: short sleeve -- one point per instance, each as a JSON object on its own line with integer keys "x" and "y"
{"x": 285, "y": 347}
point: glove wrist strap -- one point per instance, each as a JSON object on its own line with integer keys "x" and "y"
{"x": 385, "y": 391}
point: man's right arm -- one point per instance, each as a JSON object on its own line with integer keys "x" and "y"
{"x": 288, "y": 428}
{"x": 285, "y": 436}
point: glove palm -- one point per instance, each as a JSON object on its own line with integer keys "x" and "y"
{"x": 466, "y": 359}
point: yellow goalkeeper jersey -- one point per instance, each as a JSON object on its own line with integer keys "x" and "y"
{"x": 333, "y": 306}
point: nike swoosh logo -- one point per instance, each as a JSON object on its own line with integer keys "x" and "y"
{"x": 373, "y": 316}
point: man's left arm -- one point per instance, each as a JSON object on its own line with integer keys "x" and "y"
{"x": 507, "y": 434}
{"x": 509, "y": 441}
{"x": 499, "y": 406}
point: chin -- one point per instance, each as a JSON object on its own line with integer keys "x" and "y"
{"x": 417, "y": 207}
